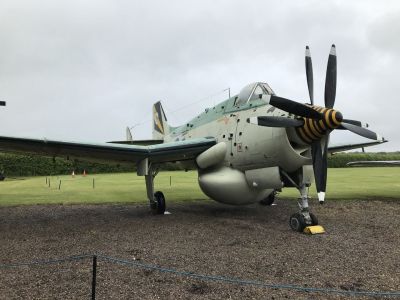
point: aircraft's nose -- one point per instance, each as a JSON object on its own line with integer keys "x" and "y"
{"x": 338, "y": 116}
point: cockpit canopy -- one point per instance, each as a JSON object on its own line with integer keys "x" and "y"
{"x": 253, "y": 91}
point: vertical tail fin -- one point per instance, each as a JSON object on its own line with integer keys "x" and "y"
{"x": 129, "y": 137}
{"x": 160, "y": 125}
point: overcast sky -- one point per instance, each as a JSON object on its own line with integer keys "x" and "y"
{"x": 84, "y": 70}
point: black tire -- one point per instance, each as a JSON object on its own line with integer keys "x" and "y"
{"x": 314, "y": 219}
{"x": 160, "y": 203}
{"x": 269, "y": 200}
{"x": 297, "y": 222}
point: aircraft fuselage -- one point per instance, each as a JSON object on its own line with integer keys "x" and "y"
{"x": 254, "y": 155}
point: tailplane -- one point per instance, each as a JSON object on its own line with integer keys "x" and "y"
{"x": 160, "y": 125}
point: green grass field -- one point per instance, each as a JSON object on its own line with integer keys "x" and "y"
{"x": 348, "y": 183}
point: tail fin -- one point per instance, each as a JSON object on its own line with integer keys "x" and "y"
{"x": 160, "y": 125}
{"x": 129, "y": 137}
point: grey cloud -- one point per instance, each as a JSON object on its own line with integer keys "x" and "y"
{"x": 86, "y": 69}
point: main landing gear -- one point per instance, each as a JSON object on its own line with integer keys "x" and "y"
{"x": 158, "y": 204}
{"x": 157, "y": 199}
{"x": 300, "y": 220}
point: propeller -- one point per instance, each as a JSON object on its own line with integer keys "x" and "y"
{"x": 319, "y": 148}
{"x": 319, "y": 151}
{"x": 330, "y": 79}
{"x": 294, "y": 107}
{"x": 271, "y": 121}
{"x": 309, "y": 74}
{"x": 361, "y": 131}
{"x": 317, "y": 122}
{"x": 355, "y": 122}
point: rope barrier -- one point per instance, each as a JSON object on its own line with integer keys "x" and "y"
{"x": 207, "y": 277}
{"x": 250, "y": 282}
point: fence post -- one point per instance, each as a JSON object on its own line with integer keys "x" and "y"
{"x": 94, "y": 271}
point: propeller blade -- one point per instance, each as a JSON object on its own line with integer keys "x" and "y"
{"x": 361, "y": 131}
{"x": 295, "y": 108}
{"x": 355, "y": 122}
{"x": 309, "y": 73}
{"x": 275, "y": 121}
{"x": 319, "y": 150}
{"x": 330, "y": 80}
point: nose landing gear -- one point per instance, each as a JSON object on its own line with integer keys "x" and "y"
{"x": 298, "y": 222}
{"x": 304, "y": 219}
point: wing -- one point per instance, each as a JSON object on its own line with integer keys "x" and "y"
{"x": 166, "y": 152}
{"x": 345, "y": 147}
{"x": 374, "y": 163}
{"x": 138, "y": 142}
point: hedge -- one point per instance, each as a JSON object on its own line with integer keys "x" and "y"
{"x": 32, "y": 165}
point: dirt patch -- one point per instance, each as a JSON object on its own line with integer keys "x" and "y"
{"x": 360, "y": 250}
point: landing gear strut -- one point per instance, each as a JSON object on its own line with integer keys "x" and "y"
{"x": 157, "y": 199}
{"x": 303, "y": 218}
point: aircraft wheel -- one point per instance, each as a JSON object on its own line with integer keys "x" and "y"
{"x": 159, "y": 205}
{"x": 297, "y": 222}
{"x": 269, "y": 200}
{"x": 314, "y": 219}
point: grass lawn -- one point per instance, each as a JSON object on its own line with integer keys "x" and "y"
{"x": 349, "y": 183}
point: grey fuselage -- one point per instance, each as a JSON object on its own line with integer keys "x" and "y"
{"x": 254, "y": 156}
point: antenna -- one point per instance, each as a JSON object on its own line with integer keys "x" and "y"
{"x": 229, "y": 91}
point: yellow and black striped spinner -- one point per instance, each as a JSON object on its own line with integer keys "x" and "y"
{"x": 314, "y": 130}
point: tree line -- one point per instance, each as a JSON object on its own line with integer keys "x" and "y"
{"x": 33, "y": 165}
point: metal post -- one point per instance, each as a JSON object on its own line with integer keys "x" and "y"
{"x": 170, "y": 180}
{"x": 49, "y": 182}
{"x": 59, "y": 185}
{"x": 46, "y": 180}
{"x": 94, "y": 271}
{"x": 93, "y": 182}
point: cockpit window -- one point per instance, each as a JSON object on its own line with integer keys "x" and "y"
{"x": 268, "y": 88}
{"x": 252, "y": 92}
{"x": 257, "y": 92}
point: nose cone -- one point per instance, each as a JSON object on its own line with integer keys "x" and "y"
{"x": 338, "y": 116}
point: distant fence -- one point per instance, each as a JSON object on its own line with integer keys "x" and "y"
{"x": 222, "y": 279}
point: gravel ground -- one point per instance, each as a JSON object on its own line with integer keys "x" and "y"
{"x": 360, "y": 251}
